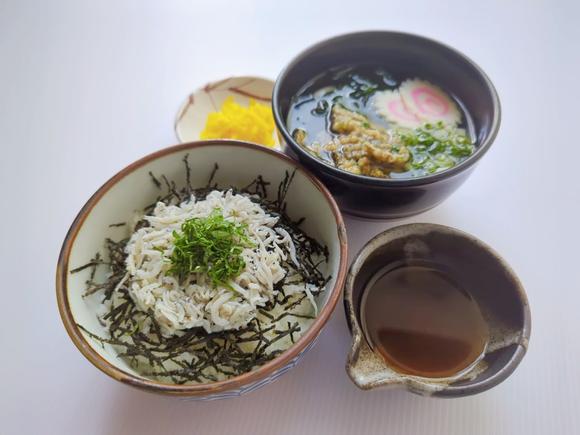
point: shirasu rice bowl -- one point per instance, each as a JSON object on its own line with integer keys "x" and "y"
{"x": 186, "y": 328}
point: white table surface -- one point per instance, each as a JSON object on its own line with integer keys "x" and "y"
{"x": 88, "y": 87}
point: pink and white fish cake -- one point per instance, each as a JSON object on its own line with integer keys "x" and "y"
{"x": 428, "y": 102}
{"x": 391, "y": 106}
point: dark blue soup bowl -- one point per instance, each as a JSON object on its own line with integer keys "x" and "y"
{"x": 404, "y": 55}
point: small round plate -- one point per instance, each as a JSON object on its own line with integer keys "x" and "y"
{"x": 192, "y": 115}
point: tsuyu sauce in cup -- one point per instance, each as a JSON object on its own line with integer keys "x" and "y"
{"x": 434, "y": 310}
{"x": 422, "y": 321}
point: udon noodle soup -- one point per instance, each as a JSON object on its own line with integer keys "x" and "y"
{"x": 368, "y": 122}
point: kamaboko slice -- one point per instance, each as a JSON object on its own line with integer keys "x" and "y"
{"x": 391, "y": 106}
{"x": 428, "y": 102}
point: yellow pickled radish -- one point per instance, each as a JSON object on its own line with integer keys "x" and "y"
{"x": 254, "y": 123}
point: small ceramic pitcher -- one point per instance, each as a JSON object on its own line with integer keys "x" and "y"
{"x": 491, "y": 283}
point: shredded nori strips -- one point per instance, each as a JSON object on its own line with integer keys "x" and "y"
{"x": 194, "y": 355}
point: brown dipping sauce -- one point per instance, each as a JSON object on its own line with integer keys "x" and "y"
{"x": 422, "y": 322}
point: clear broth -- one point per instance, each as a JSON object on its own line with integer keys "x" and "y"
{"x": 341, "y": 84}
{"x": 422, "y": 322}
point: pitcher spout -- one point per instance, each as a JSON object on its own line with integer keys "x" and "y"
{"x": 367, "y": 369}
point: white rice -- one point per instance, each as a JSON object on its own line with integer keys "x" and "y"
{"x": 196, "y": 302}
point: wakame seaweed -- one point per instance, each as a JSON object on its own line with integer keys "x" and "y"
{"x": 193, "y": 355}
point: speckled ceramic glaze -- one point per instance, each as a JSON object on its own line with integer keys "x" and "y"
{"x": 131, "y": 190}
{"x": 488, "y": 278}
{"x": 192, "y": 115}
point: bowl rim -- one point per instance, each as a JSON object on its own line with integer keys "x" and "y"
{"x": 261, "y": 372}
{"x": 420, "y": 228}
{"x": 209, "y": 86}
{"x": 480, "y": 150}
